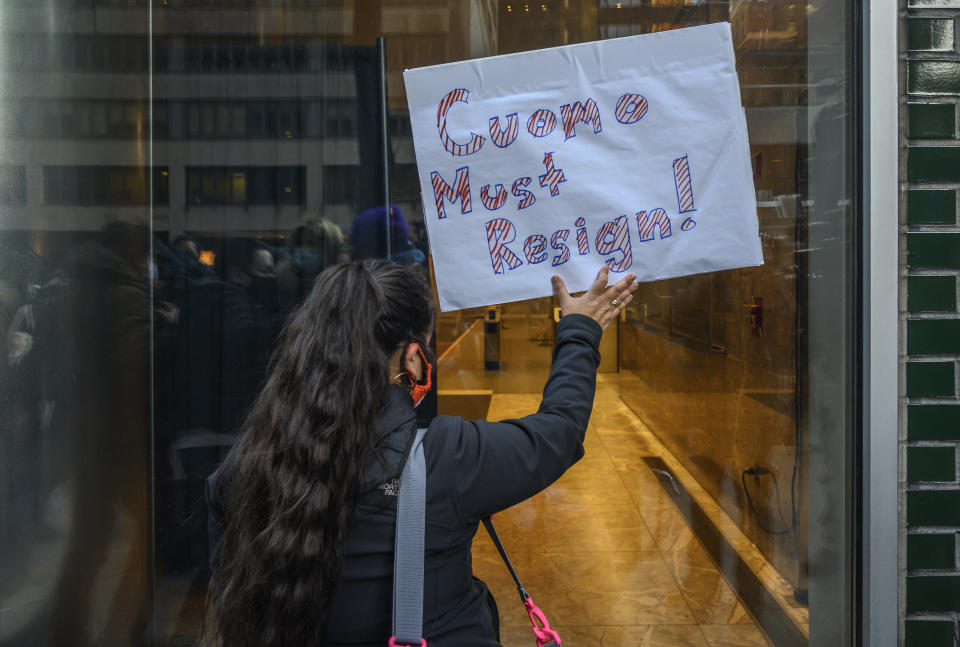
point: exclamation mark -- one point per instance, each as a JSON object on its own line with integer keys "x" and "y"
{"x": 681, "y": 179}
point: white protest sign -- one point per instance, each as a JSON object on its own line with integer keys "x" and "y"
{"x": 631, "y": 152}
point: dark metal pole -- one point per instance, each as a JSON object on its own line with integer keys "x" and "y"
{"x": 382, "y": 55}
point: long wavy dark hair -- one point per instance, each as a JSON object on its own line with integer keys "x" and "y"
{"x": 289, "y": 486}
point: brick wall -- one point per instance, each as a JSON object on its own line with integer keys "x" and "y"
{"x": 932, "y": 586}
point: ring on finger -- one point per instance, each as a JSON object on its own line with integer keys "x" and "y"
{"x": 615, "y": 302}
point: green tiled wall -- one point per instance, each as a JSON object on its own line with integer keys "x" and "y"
{"x": 933, "y": 164}
{"x": 931, "y": 379}
{"x": 931, "y": 551}
{"x": 930, "y": 34}
{"x": 932, "y": 293}
{"x": 930, "y": 77}
{"x": 935, "y": 633}
{"x": 931, "y": 120}
{"x": 933, "y": 336}
{"x": 931, "y": 464}
{"x": 932, "y": 207}
{"x": 932, "y": 238}
{"x": 933, "y": 422}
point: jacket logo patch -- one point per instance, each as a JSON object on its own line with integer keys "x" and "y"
{"x": 390, "y": 488}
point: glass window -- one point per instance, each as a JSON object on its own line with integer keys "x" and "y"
{"x": 340, "y": 184}
{"x": 208, "y": 126}
{"x": 256, "y": 120}
{"x": 193, "y": 120}
{"x": 239, "y": 187}
{"x": 238, "y": 120}
{"x": 720, "y": 381}
{"x": 161, "y": 120}
{"x": 406, "y": 182}
{"x": 101, "y": 185}
{"x": 714, "y": 504}
{"x": 253, "y": 185}
{"x": 13, "y": 185}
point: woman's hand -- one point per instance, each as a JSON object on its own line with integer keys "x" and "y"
{"x": 600, "y": 303}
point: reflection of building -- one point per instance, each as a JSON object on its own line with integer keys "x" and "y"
{"x": 774, "y": 387}
{"x": 751, "y": 21}
{"x": 523, "y": 26}
{"x": 631, "y": 17}
{"x": 256, "y": 118}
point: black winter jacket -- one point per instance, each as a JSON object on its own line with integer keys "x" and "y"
{"x": 474, "y": 469}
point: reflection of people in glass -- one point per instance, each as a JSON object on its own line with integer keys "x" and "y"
{"x": 314, "y": 246}
{"x": 225, "y": 332}
{"x": 368, "y": 235}
{"x": 188, "y": 246}
{"x": 20, "y": 436}
{"x": 104, "y": 403}
{"x": 250, "y": 323}
{"x": 177, "y": 265}
{"x": 304, "y": 507}
{"x": 418, "y": 235}
{"x": 212, "y": 361}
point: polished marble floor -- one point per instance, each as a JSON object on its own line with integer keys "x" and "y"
{"x": 605, "y": 553}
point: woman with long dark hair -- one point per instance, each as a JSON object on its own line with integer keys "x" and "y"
{"x": 303, "y": 508}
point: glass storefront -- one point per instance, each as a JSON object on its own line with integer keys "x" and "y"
{"x": 175, "y": 173}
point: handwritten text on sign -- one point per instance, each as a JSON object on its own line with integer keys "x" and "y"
{"x": 615, "y": 168}
{"x": 612, "y": 237}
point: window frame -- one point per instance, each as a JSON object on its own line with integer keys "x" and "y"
{"x": 879, "y": 596}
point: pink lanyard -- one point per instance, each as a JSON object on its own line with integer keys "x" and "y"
{"x": 546, "y": 637}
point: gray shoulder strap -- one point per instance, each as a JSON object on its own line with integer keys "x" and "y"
{"x": 408, "y": 548}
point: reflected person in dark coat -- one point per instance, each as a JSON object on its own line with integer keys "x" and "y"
{"x": 212, "y": 363}
{"x": 103, "y": 415}
{"x": 220, "y": 348}
{"x": 304, "y": 507}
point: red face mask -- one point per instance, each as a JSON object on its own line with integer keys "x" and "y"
{"x": 419, "y": 390}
